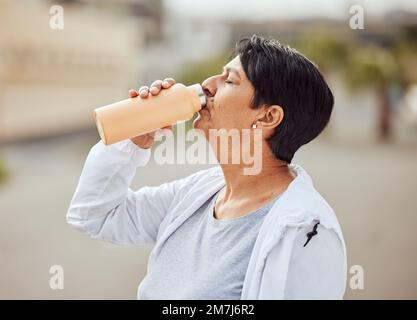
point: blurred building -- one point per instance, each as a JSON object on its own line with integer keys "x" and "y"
{"x": 50, "y": 80}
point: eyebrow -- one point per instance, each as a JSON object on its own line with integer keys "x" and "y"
{"x": 231, "y": 69}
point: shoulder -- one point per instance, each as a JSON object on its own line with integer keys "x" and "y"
{"x": 302, "y": 203}
{"x": 296, "y": 270}
{"x": 316, "y": 240}
{"x": 317, "y": 264}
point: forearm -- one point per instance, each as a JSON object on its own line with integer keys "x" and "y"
{"x": 104, "y": 183}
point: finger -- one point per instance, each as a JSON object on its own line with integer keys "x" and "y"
{"x": 143, "y": 91}
{"x": 167, "y": 131}
{"x": 157, "y": 134}
{"x": 156, "y": 87}
{"x": 133, "y": 93}
{"x": 168, "y": 127}
{"x": 168, "y": 82}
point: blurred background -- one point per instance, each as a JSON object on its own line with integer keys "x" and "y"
{"x": 364, "y": 164}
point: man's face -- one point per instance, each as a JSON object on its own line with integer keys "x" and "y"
{"x": 229, "y": 96}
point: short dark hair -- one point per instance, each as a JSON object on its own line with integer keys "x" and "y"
{"x": 280, "y": 75}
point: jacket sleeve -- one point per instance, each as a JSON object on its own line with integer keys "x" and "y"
{"x": 105, "y": 208}
{"x": 316, "y": 271}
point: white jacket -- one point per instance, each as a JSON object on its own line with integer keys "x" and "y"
{"x": 280, "y": 267}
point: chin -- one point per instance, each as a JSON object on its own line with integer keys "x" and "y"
{"x": 201, "y": 125}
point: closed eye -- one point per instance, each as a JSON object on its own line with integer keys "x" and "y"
{"x": 226, "y": 76}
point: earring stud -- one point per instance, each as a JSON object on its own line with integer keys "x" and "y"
{"x": 254, "y": 126}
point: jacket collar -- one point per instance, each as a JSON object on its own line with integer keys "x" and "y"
{"x": 298, "y": 201}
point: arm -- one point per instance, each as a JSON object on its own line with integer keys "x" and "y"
{"x": 104, "y": 206}
{"x": 316, "y": 271}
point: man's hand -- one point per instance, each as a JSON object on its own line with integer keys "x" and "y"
{"x": 146, "y": 140}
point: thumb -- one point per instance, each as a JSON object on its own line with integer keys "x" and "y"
{"x": 167, "y": 131}
{"x": 163, "y": 132}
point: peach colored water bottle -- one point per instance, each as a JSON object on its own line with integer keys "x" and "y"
{"x": 136, "y": 116}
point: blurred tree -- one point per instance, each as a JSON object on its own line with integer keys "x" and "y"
{"x": 198, "y": 72}
{"x": 361, "y": 66}
{"x": 326, "y": 50}
{"x": 376, "y": 68}
{"x": 405, "y": 52}
{"x": 3, "y": 171}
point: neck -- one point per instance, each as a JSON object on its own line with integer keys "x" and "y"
{"x": 273, "y": 178}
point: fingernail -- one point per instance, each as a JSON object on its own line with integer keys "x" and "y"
{"x": 165, "y": 132}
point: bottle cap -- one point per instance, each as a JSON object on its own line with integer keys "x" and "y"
{"x": 200, "y": 92}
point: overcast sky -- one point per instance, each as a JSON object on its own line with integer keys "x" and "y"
{"x": 270, "y": 9}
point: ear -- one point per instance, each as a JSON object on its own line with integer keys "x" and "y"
{"x": 273, "y": 116}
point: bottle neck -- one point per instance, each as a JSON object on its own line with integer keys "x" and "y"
{"x": 197, "y": 88}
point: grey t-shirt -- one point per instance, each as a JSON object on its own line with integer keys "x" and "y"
{"x": 205, "y": 258}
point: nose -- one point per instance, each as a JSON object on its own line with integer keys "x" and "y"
{"x": 209, "y": 87}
